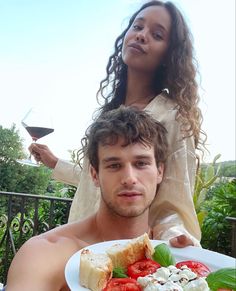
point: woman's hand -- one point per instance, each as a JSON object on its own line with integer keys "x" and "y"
{"x": 43, "y": 154}
{"x": 181, "y": 241}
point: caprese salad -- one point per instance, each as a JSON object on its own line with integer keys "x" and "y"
{"x": 163, "y": 273}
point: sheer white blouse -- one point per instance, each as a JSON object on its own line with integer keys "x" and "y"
{"x": 172, "y": 212}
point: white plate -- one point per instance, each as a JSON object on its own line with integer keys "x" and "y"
{"x": 212, "y": 259}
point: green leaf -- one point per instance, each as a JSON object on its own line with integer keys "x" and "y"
{"x": 201, "y": 216}
{"x": 163, "y": 256}
{"x": 223, "y": 278}
{"x": 119, "y": 272}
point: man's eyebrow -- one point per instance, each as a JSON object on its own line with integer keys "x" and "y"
{"x": 110, "y": 159}
{"x": 143, "y": 157}
{"x": 115, "y": 159}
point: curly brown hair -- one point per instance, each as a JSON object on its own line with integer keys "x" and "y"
{"x": 130, "y": 124}
{"x": 178, "y": 75}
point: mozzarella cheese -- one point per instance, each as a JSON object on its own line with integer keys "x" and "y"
{"x": 173, "y": 279}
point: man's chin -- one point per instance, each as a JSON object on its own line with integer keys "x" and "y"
{"x": 129, "y": 213}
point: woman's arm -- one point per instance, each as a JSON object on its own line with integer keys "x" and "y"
{"x": 67, "y": 172}
{"x": 173, "y": 212}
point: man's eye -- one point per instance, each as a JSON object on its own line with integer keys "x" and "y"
{"x": 113, "y": 166}
{"x": 141, "y": 164}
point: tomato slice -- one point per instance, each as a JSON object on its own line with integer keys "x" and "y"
{"x": 199, "y": 268}
{"x": 142, "y": 268}
{"x": 122, "y": 284}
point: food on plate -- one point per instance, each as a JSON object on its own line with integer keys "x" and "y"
{"x": 199, "y": 268}
{"x": 95, "y": 270}
{"x": 172, "y": 278}
{"x": 142, "y": 268}
{"x": 136, "y": 249}
{"x": 136, "y": 265}
{"x": 223, "y": 279}
{"x": 163, "y": 255}
{"x": 124, "y": 284}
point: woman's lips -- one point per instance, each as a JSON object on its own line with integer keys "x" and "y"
{"x": 137, "y": 48}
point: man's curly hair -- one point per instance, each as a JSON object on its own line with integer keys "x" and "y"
{"x": 132, "y": 126}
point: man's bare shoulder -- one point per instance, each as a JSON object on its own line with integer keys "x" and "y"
{"x": 43, "y": 260}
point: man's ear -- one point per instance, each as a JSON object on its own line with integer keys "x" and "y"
{"x": 160, "y": 172}
{"x": 94, "y": 176}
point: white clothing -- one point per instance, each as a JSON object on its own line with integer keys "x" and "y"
{"x": 172, "y": 212}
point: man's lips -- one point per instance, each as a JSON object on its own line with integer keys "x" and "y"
{"x": 129, "y": 193}
{"x": 137, "y": 47}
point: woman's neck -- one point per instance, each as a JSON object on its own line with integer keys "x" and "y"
{"x": 139, "y": 90}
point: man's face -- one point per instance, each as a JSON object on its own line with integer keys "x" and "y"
{"x": 128, "y": 178}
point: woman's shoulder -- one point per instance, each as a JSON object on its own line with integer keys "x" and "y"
{"x": 163, "y": 108}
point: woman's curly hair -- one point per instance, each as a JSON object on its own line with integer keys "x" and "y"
{"x": 177, "y": 75}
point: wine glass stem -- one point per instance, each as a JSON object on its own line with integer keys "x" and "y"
{"x": 30, "y": 157}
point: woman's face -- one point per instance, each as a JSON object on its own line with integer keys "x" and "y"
{"x": 146, "y": 42}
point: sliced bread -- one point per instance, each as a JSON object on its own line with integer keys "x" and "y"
{"x": 136, "y": 249}
{"x": 95, "y": 270}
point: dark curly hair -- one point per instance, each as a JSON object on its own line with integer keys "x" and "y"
{"x": 178, "y": 75}
{"x": 130, "y": 124}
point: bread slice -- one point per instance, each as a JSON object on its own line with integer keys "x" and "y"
{"x": 95, "y": 270}
{"x": 136, "y": 249}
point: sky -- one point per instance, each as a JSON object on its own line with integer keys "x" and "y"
{"x": 53, "y": 54}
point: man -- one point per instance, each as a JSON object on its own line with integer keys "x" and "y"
{"x": 127, "y": 150}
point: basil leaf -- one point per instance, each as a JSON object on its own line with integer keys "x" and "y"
{"x": 223, "y": 278}
{"x": 119, "y": 272}
{"x": 163, "y": 256}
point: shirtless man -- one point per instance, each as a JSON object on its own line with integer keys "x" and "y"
{"x": 127, "y": 150}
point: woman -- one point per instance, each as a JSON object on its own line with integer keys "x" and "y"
{"x": 153, "y": 69}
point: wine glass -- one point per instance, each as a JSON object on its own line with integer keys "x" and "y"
{"x": 38, "y": 124}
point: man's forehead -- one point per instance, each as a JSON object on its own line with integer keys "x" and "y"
{"x": 119, "y": 148}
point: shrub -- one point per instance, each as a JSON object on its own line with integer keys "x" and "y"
{"x": 216, "y": 230}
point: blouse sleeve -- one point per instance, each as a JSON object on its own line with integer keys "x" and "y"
{"x": 172, "y": 212}
{"x": 67, "y": 172}
{"x": 87, "y": 197}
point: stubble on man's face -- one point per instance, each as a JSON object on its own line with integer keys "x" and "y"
{"x": 128, "y": 211}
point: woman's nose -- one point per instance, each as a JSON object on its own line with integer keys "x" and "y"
{"x": 141, "y": 36}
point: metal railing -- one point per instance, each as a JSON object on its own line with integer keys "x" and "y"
{"x": 23, "y": 216}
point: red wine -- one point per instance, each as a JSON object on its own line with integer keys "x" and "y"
{"x": 38, "y": 132}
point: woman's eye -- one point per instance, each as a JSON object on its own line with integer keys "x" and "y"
{"x": 137, "y": 27}
{"x": 158, "y": 35}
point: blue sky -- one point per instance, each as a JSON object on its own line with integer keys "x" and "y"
{"x": 53, "y": 53}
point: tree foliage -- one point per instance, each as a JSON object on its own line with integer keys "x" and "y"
{"x": 226, "y": 168}
{"x": 15, "y": 177}
{"x": 205, "y": 178}
{"x": 220, "y": 203}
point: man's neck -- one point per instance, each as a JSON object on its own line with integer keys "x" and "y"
{"x": 113, "y": 227}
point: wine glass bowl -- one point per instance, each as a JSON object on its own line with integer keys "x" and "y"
{"x": 38, "y": 124}
{"x": 37, "y": 132}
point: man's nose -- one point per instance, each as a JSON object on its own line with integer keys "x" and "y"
{"x": 128, "y": 177}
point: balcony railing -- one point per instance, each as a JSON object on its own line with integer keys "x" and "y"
{"x": 23, "y": 216}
